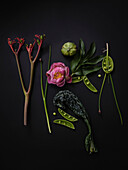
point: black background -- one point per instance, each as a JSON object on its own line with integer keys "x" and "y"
{"x": 32, "y": 147}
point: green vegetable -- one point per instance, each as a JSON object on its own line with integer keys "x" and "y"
{"x": 85, "y": 63}
{"x": 108, "y": 66}
{"x": 66, "y": 99}
{"x": 64, "y": 123}
{"x": 77, "y": 79}
{"x": 67, "y": 116}
{"x": 69, "y": 49}
{"x": 99, "y": 75}
{"x": 89, "y": 84}
{"x": 54, "y": 113}
{"x": 42, "y": 90}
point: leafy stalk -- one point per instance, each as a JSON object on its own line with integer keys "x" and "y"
{"x": 114, "y": 93}
{"x": 85, "y": 63}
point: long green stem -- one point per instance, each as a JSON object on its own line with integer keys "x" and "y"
{"x": 49, "y": 60}
{"x": 114, "y": 93}
{"x": 44, "y": 100}
{"x": 101, "y": 92}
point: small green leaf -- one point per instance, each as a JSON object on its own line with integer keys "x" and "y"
{"x": 79, "y": 72}
{"x": 90, "y": 52}
{"x": 90, "y": 69}
{"x": 95, "y": 60}
{"x": 89, "y": 84}
{"x": 74, "y": 63}
{"x": 82, "y": 48}
{"x": 77, "y": 79}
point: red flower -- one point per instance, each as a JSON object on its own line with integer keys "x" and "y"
{"x": 40, "y": 39}
{"x": 21, "y": 42}
{"x": 10, "y": 43}
{"x": 30, "y": 47}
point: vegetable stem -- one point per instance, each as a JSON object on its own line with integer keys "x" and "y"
{"x": 21, "y": 80}
{"x": 46, "y": 85}
{"x": 25, "y": 108}
{"x": 101, "y": 92}
{"x": 114, "y": 93}
{"x": 44, "y": 99}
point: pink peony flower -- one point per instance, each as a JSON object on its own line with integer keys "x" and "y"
{"x": 58, "y": 74}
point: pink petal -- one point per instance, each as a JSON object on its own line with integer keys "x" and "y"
{"x": 69, "y": 79}
{"x": 66, "y": 71}
{"x": 59, "y": 79}
{"x": 60, "y": 84}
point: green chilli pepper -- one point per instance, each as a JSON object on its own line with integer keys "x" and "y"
{"x": 64, "y": 123}
{"x": 69, "y": 49}
{"x": 108, "y": 66}
{"x": 67, "y": 116}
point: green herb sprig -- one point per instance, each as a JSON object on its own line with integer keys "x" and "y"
{"x": 85, "y": 63}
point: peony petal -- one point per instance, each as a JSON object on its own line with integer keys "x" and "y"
{"x": 60, "y": 64}
{"x": 59, "y": 79}
{"x": 60, "y": 84}
{"x": 69, "y": 79}
{"x": 66, "y": 71}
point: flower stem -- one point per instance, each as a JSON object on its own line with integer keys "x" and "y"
{"x": 26, "y": 93}
{"x": 114, "y": 93}
{"x": 101, "y": 92}
{"x": 46, "y": 85}
{"x": 21, "y": 80}
{"x": 44, "y": 99}
{"x": 25, "y": 108}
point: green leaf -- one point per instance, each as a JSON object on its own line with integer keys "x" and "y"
{"x": 89, "y": 84}
{"x": 95, "y": 60}
{"x": 82, "y": 48}
{"x": 74, "y": 63}
{"x": 90, "y": 52}
{"x": 79, "y": 72}
{"x": 90, "y": 69}
{"x": 77, "y": 79}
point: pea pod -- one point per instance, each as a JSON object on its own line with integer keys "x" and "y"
{"x": 64, "y": 123}
{"x": 107, "y": 64}
{"x": 67, "y": 116}
{"x": 89, "y": 84}
{"x": 77, "y": 79}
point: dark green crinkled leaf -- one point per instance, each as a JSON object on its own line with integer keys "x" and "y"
{"x": 95, "y": 60}
{"x": 90, "y": 69}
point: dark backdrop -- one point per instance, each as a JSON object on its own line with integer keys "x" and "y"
{"x": 32, "y": 147}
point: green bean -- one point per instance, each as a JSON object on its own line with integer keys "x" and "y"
{"x": 67, "y": 116}
{"x": 64, "y": 123}
{"x": 107, "y": 64}
{"x": 89, "y": 84}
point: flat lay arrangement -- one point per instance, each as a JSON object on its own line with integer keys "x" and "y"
{"x": 83, "y": 63}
